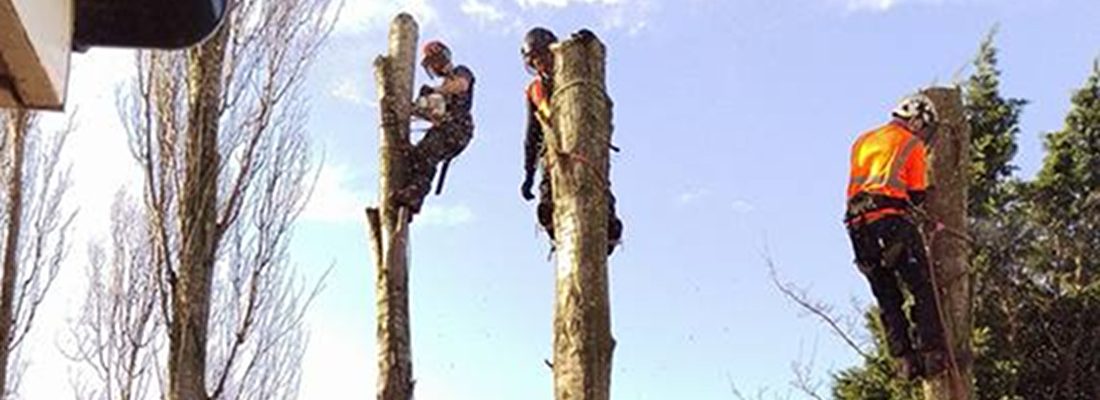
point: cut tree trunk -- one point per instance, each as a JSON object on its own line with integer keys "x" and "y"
{"x": 950, "y": 254}
{"x": 389, "y": 233}
{"x": 578, "y": 156}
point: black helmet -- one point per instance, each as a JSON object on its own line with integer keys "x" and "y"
{"x": 537, "y": 40}
{"x": 536, "y": 44}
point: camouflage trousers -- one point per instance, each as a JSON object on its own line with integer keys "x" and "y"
{"x": 440, "y": 143}
{"x": 545, "y": 212}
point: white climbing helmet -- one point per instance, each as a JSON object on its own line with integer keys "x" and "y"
{"x": 917, "y": 107}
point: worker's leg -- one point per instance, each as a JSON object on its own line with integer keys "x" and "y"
{"x": 440, "y": 142}
{"x": 423, "y": 157}
{"x": 868, "y": 244}
{"x": 915, "y": 272}
{"x": 459, "y": 132}
{"x": 545, "y": 209}
{"x": 614, "y": 224}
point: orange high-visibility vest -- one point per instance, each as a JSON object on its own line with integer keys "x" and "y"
{"x": 888, "y": 161}
{"x": 540, "y": 98}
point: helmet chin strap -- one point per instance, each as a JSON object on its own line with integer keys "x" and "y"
{"x": 926, "y": 131}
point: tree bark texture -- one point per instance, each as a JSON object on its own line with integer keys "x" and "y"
{"x": 198, "y": 220}
{"x": 950, "y": 254}
{"x": 18, "y": 122}
{"x": 578, "y": 159}
{"x": 394, "y": 74}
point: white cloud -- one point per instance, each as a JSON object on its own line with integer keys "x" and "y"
{"x": 742, "y": 207}
{"x": 361, "y": 16}
{"x": 876, "y": 5}
{"x": 692, "y": 196}
{"x": 444, "y": 216}
{"x": 349, "y": 89}
{"x": 883, "y": 5}
{"x": 338, "y": 360}
{"x": 334, "y": 200}
{"x": 629, "y": 15}
{"x": 565, "y": 3}
{"x": 482, "y": 12}
{"x": 633, "y": 17}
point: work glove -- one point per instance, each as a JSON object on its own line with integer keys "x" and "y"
{"x": 525, "y": 189}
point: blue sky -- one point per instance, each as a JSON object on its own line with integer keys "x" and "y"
{"x": 735, "y": 119}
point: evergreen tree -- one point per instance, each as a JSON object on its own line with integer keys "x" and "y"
{"x": 1062, "y": 313}
{"x": 996, "y": 222}
{"x": 876, "y": 379}
{"x": 994, "y": 125}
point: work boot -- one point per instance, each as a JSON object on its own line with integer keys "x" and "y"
{"x": 935, "y": 362}
{"x": 410, "y": 198}
{"x": 614, "y": 234}
{"x": 909, "y": 367}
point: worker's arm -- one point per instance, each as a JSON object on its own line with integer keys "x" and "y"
{"x": 915, "y": 174}
{"x": 458, "y": 82}
{"x": 532, "y": 146}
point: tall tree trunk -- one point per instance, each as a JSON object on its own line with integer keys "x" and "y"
{"x": 951, "y": 253}
{"x": 390, "y": 237}
{"x": 578, "y": 156}
{"x": 198, "y": 222}
{"x": 18, "y": 120}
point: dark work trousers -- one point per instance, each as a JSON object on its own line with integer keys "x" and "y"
{"x": 887, "y": 249}
{"x": 441, "y": 142}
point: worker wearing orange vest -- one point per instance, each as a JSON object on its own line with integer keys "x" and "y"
{"x": 888, "y": 168}
{"x": 540, "y": 63}
{"x": 448, "y": 107}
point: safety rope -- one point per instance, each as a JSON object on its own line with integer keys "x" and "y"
{"x": 948, "y": 336}
{"x": 593, "y": 86}
{"x": 554, "y": 152}
{"x": 955, "y": 385}
{"x": 571, "y": 154}
{"x": 925, "y": 218}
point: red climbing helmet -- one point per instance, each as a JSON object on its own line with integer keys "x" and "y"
{"x": 435, "y": 56}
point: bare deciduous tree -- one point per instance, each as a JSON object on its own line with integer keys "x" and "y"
{"x": 117, "y": 335}
{"x": 219, "y": 134}
{"x": 34, "y": 231}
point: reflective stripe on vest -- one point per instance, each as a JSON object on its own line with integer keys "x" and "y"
{"x": 536, "y": 93}
{"x": 882, "y": 162}
{"x": 892, "y": 177}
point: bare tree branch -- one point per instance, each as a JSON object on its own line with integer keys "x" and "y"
{"x": 803, "y": 377}
{"x": 117, "y": 336}
{"x": 219, "y": 134}
{"x": 821, "y": 310}
{"x": 34, "y": 235}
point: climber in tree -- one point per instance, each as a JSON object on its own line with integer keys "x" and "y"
{"x": 540, "y": 63}
{"x": 448, "y": 107}
{"x": 888, "y": 179}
